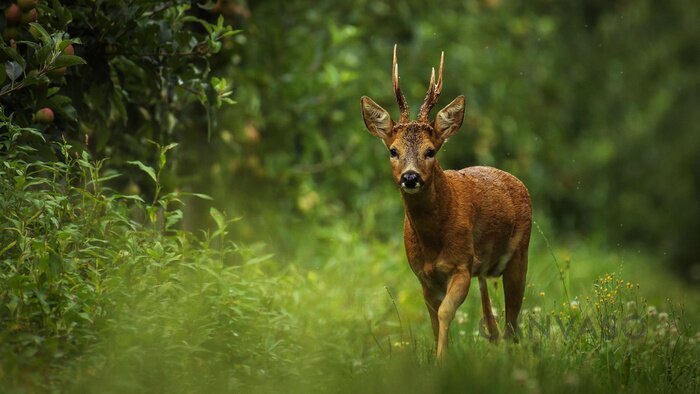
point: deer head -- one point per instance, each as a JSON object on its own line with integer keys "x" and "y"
{"x": 413, "y": 145}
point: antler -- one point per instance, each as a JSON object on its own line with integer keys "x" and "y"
{"x": 431, "y": 96}
{"x": 400, "y": 98}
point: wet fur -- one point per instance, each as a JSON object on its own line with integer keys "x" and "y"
{"x": 474, "y": 222}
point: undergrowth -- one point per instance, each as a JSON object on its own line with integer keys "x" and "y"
{"x": 102, "y": 291}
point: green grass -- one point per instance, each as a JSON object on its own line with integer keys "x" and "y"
{"x": 352, "y": 326}
{"x": 101, "y": 293}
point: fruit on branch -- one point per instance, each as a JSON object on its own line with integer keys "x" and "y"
{"x": 30, "y": 16}
{"x": 44, "y": 116}
{"x": 13, "y": 15}
{"x": 57, "y": 72}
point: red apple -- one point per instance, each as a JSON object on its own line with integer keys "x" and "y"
{"x": 57, "y": 72}
{"x": 44, "y": 116}
{"x": 13, "y": 15}
{"x": 69, "y": 50}
{"x": 29, "y": 16}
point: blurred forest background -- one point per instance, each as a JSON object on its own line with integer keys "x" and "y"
{"x": 592, "y": 104}
{"x": 189, "y": 199}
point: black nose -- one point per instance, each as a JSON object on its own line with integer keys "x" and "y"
{"x": 410, "y": 179}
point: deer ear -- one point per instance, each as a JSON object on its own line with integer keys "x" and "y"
{"x": 376, "y": 118}
{"x": 450, "y": 118}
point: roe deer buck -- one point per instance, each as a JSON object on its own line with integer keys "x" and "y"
{"x": 458, "y": 224}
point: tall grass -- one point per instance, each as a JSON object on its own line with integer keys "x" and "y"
{"x": 101, "y": 291}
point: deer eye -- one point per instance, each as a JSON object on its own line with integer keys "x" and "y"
{"x": 430, "y": 153}
{"x": 393, "y": 152}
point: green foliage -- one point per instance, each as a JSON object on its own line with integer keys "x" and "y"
{"x": 590, "y": 104}
{"x": 98, "y": 293}
{"x": 296, "y": 280}
{"x": 81, "y": 273}
{"x": 137, "y": 67}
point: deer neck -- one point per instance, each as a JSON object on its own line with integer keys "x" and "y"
{"x": 428, "y": 210}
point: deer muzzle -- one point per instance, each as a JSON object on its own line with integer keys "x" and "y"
{"x": 411, "y": 182}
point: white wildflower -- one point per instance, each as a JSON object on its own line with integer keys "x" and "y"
{"x": 651, "y": 310}
{"x": 461, "y": 317}
{"x": 401, "y": 344}
{"x": 673, "y": 330}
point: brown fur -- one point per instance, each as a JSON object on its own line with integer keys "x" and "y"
{"x": 474, "y": 222}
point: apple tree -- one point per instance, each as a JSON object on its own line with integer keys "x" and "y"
{"x": 110, "y": 74}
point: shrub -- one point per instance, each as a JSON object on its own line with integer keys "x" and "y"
{"x": 113, "y": 72}
{"x": 89, "y": 273}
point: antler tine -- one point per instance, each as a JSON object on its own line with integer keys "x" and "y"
{"x": 432, "y": 78}
{"x": 434, "y": 89}
{"x": 400, "y": 98}
{"x": 438, "y": 86}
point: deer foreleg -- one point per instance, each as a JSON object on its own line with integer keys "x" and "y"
{"x": 457, "y": 289}
{"x": 432, "y": 302}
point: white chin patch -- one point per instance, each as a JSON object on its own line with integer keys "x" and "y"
{"x": 410, "y": 190}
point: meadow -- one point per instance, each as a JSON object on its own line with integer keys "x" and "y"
{"x": 99, "y": 302}
{"x": 189, "y": 200}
